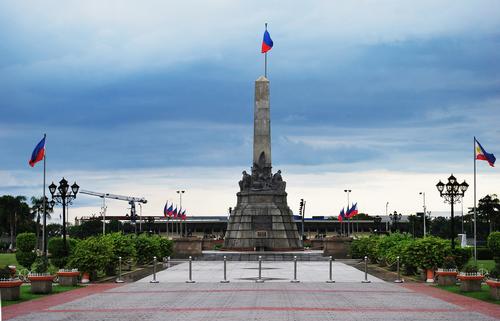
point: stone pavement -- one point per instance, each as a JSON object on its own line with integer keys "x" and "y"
{"x": 270, "y": 301}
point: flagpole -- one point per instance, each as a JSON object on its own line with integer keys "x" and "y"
{"x": 44, "y": 234}
{"x": 265, "y": 59}
{"x": 475, "y": 214}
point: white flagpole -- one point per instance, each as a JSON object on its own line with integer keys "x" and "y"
{"x": 44, "y": 236}
{"x": 475, "y": 214}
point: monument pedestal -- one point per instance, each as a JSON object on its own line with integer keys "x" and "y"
{"x": 262, "y": 221}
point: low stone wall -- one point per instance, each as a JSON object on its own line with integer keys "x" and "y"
{"x": 317, "y": 244}
{"x": 338, "y": 247}
{"x": 209, "y": 244}
{"x": 188, "y": 246}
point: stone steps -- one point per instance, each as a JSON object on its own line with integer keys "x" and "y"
{"x": 266, "y": 256}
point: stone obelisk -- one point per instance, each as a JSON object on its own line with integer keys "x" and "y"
{"x": 262, "y": 219}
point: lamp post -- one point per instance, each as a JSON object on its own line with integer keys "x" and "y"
{"x": 347, "y": 191}
{"x": 50, "y": 206}
{"x": 452, "y": 193}
{"x": 395, "y": 218}
{"x": 377, "y": 219}
{"x": 425, "y": 211}
{"x": 64, "y": 197}
{"x": 180, "y": 192}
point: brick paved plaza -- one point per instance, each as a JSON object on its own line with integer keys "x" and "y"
{"x": 243, "y": 299}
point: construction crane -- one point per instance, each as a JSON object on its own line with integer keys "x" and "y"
{"x": 131, "y": 200}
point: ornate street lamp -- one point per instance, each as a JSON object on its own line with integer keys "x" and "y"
{"x": 395, "y": 218}
{"x": 64, "y": 197}
{"x": 452, "y": 192}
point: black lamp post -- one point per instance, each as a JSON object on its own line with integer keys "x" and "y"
{"x": 64, "y": 197}
{"x": 395, "y": 218}
{"x": 452, "y": 192}
{"x": 377, "y": 219}
{"x": 49, "y": 206}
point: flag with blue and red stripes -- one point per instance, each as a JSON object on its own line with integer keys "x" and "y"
{"x": 341, "y": 215}
{"x": 38, "y": 153}
{"x": 267, "y": 42}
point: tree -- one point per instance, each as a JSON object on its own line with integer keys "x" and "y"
{"x": 16, "y": 214}
{"x": 37, "y": 209}
{"x": 488, "y": 208}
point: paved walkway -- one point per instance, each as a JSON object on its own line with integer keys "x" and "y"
{"x": 274, "y": 300}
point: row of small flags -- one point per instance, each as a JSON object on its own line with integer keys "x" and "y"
{"x": 171, "y": 212}
{"x": 351, "y": 212}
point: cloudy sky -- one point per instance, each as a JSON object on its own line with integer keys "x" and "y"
{"x": 144, "y": 98}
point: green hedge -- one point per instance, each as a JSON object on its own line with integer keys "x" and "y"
{"x": 25, "y": 253}
{"x": 91, "y": 255}
{"x": 56, "y": 251}
{"x": 484, "y": 253}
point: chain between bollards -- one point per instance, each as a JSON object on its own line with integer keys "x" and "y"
{"x": 330, "y": 278}
{"x": 295, "y": 270}
{"x": 225, "y": 279}
{"x": 366, "y": 271}
{"x": 190, "y": 271}
{"x": 398, "y": 280}
{"x": 260, "y": 280}
{"x": 154, "y": 280}
{"x": 119, "y": 279}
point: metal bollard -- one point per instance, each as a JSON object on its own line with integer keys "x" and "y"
{"x": 366, "y": 271}
{"x": 168, "y": 262}
{"x": 190, "y": 271}
{"x": 154, "y": 280}
{"x": 330, "y": 279}
{"x": 119, "y": 279}
{"x": 295, "y": 270}
{"x": 225, "y": 279}
{"x": 398, "y": 280}
{"x": 260, "y": 280}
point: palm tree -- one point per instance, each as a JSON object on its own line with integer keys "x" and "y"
{"x": 37, "y": 209}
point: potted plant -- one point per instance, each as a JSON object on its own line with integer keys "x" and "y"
{"x": 447, "y": 275}
{"x": 470, "y": 279}
{"x": 493, "y": 280}
{"x": 68, "y": 277}
{"x": 9, "y": 286}
{"x": 41, "y": 281}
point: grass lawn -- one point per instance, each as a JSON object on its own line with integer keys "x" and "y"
{"x": 8, "y": 259}
{"x": 483, "y": 295}
{"x": 26, "y": 295}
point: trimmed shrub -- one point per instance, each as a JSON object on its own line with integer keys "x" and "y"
{"x": 91, "y": 255}
{"x": 122, "y": 246}
{"x": 25, "y": 254}
{"x": 6, "y": 273}
{"x": 56, "y": 250}
{"x": 166, "y": 247}
{"x": 428, "y": 252}
{"x": 26, "y": 242}
{"x": 471, "y": 268}
{"x": 40, "y": 265}
{"x": 365, "y": 246}
{"x": 494, "y": 245}
{"x": 461, "y": 255}
{"x": 146, "y": 247}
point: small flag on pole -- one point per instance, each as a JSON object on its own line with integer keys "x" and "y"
{"x": 267, "y": 42}
{"x": 38, "y": 153}
{"x": 170, "y": 210}
{"x": 183, "y": 215}
{"x": 175, "y": 212}
{"x": 165, "y": 210}
{"x": 353, "y": 211}
{"x": 481, "y": 154}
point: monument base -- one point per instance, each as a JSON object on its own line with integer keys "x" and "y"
{"x": 262, "y": 221}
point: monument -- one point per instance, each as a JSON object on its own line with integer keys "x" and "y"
{"x": 262, "y": 220}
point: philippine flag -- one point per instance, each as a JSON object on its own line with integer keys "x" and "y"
{"x": 165, "y": 210}
{"x": 38, "y": 153}
{"x": 353, "y": 211}
{"x": 267, "y": 42}
{"x": 341, "y": 215}
{"x": 175, "y": 213}
{"x": 481, "y": 154}
{"x": 170, "y": 210}
{"x": 183, "y": 215}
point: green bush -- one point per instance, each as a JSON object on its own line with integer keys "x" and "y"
{"x": 461, "y": 255}
{"x": 391, "y": 246}
{"x": 471, "y": 268}
{"x": 146, "y": 247}
{"x": 122, "y": 246}
{"x": 428, "y": 252}
{"x": 494, "y": 245}
{"x": 484, "y": 253}
{"x": 91, "y": 255}
{"x": 6, "y": 273}
{"x": 166, "y": 247}
{"x": 25, "y": 258}
{"x": 40, "y": 265}
{"x": 56, "y": 250}
{"x": 26, "y": 242}
{"x": 365, "y": 246}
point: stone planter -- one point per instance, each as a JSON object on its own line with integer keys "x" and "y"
{"x": 40, "y": 283}
{"x": 447, "y": 276}
{"x": 430, "y": 276}
{"x": 494, "y": 285}
{"x": 68, "y": 277}
{"x": 10, "y": 289}
{"x": 470, "y": 282}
